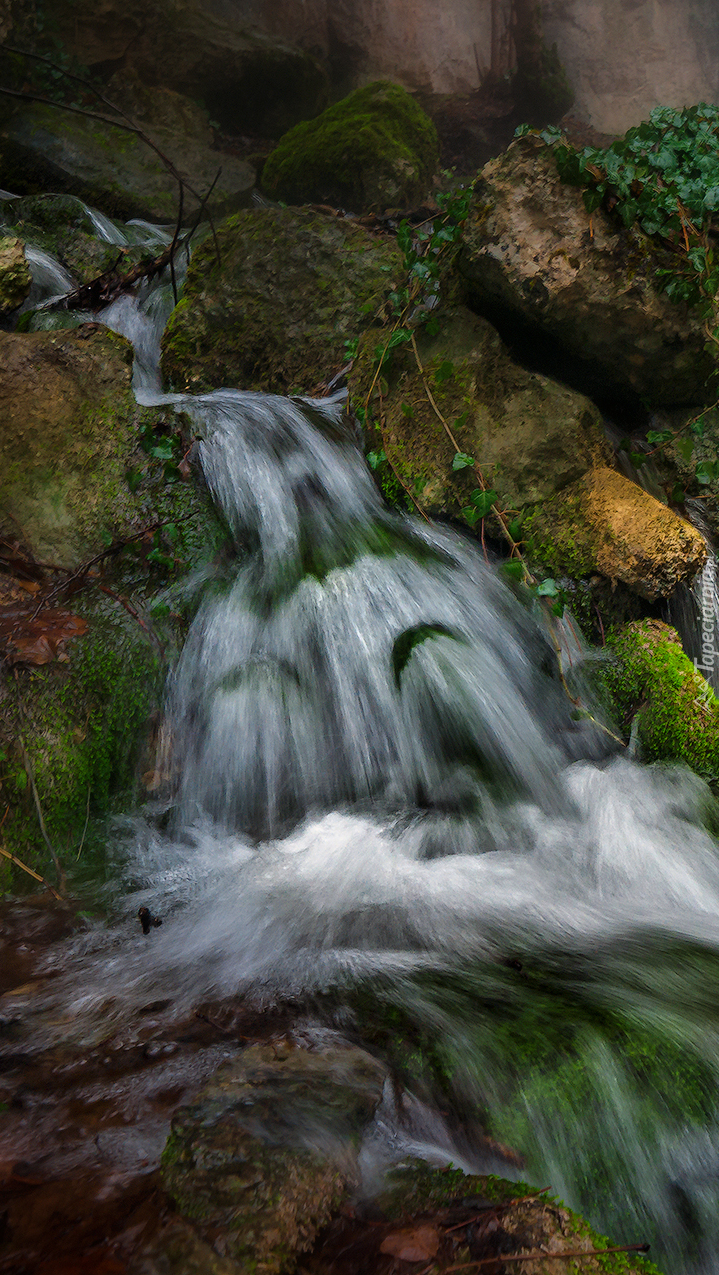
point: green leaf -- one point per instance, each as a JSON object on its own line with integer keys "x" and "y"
{"x": 706, "y": 471}
{"x": 462, "y": 460}
{"x": 482, "y": 501}
{"x": 513, "y": 569}
{"x": 407, "y": 410}
{"x": 164, "y": 449}
{"x": 659, "y": 436}
{"x": 515, "y": 529}
{"x": 685, "y": 447}
{"x": 375, "y": 459}
{"x": 106, "y": 537}
{"x": 678, "y": 494}
{"x": 444, "y": 372}
{"x": 547, "y": 589}
{"x": 432, "y": 326}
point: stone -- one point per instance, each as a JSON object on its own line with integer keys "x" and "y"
{"x": 61, "y": 226}
{"x": 46, "y": 148}
{"x": 251, "y": 80}
{"x": 291, "y": 290}
{"x": 15, "y": 276}
{"x": 267, "y": 1152}
{"x": 373, "y": 150}
{"x": 605, "y": 523}
{"x": 532, "y": 256}
{"x": 531, "y": 436}
{"x": 653, "y": 681}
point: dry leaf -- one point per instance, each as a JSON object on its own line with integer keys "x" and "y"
{"x": 26, "y": 638}
{"x": 416, "y": 1244}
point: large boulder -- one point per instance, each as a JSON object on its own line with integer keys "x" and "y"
{"x": 531, "y": 436}
{"x": 62, "y": 226}
{"x": 268, "y": 1151}
{"x": 533, "y": 256}
{"x": 14, "y": 274}
{"x": 275, "y": 312}
{"x": 373, "y": 150}
{"x": 604, "y": 523}
{"x": 652, "y": 680}
{"x": 45, "y": 147}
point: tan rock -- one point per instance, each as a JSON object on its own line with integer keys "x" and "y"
{"x": 15, "y": 276}
{"x": 606, "y": 523}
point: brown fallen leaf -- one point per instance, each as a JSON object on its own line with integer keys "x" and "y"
{"x": 27, "y": 638}
{"x": 415, "y": 1244}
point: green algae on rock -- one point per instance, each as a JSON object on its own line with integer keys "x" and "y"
{"x": 60, "y": 225}
{"x": 531, "y": 436}
{"x": 654, "y": 682}
{"x": 14, "y": 274}
{"x": 292, "y": 289}
{"x": 265, "y": 1155}
{"x": 373, "y": 150}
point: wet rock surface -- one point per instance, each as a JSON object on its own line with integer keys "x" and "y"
{"x": 292, "y": 287}
{"x": 534, "y": 256}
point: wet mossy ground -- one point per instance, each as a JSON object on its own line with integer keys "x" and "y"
{"x": 374, "y": 149}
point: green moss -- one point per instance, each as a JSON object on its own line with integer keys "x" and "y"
{"x": 292, "y": 287}
{"x": 654, "y": 681}
{"x": 14, "y": 274}
{"x": 373, "y": 149}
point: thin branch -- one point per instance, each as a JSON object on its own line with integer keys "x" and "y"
{"x": 31, "y": 873}
{"x": 87, "y": 820}
{"x": 544, "y": 1256}
{"x": 40, "y": 818}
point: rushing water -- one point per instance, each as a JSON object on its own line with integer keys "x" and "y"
{"x": 378, "y": 793}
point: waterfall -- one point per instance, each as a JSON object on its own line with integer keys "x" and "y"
{"x": 376, "y": 781}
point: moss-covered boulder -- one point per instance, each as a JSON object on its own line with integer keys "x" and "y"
{"x": 533, "y": 257}
{"x": 267, "y": 1152}
{"x": 531, "y": 436}
{"x": 14, "y": 274}
{"x": 275, "y": 311}
{"x": 676, "y": 710}
{"x": 67, "y": 414}
{"x": 373, "y": 150}
{"x": 46, "y": 148}
{"x": 605, "y": 523}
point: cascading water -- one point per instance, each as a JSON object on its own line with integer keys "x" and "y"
{"x": 377, "y": 787}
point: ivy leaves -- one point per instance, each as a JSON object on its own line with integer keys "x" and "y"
{"x": 664, "y": 176}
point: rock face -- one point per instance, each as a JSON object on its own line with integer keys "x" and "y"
{"x": 606, "y": 523}
{"x": 266, "y": 1153}
{"x": 14, "y": 274}
{"x": 250, "y": 79}
{"x": 291, "y": 289}
{"x": 48, "y": 148}
{"x": 373, "y": 150}
{"x": 531, "y": 436}
{"x": 533, "y": 256}
{"x": 678, "y": 711}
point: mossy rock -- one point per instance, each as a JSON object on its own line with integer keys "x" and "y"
{"x": 654, "y": 682}
{"x": 604, "y": 523}
{"x": 531, "y": 436}
{"x": 266, "y": 1153}
{"x": 14, "y": 274}
{"x": 47, "y": 148}
{"x": 373, "y": 150}
{"x": 273, "y": 308}
{"x": 532, "y": 1222}
{"x": 61, "y": 226}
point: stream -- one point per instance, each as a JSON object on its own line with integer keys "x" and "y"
{"x": 382, "y": 808}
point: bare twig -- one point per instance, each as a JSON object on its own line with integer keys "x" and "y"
{"x": 543, "y": 1255}
{"x": 40, "y": 817}
{"x": 87, "y": 820}
{"x": 31, "y": 873}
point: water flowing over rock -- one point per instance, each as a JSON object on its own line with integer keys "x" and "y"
{"x": 606, "y": 523}
{"x": 291, "y": 288}
{"x": 582, "y": 284}
{"x": 373, "y": 150}
{"x": 45, "y": 147}
{"x": 531, "y": 436}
